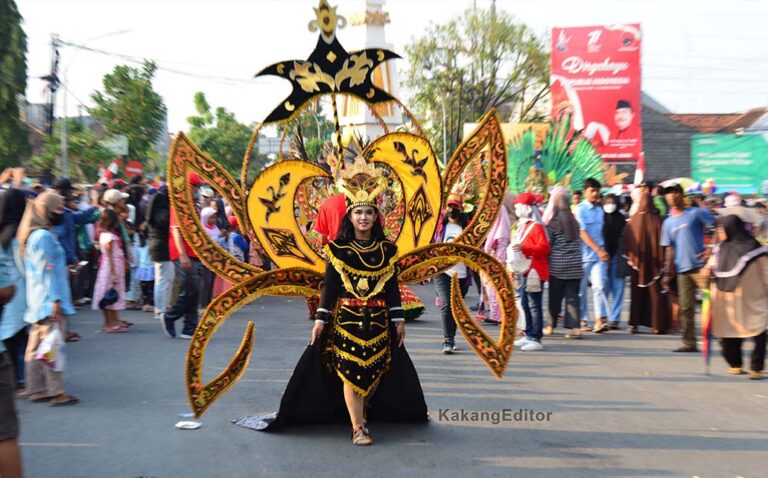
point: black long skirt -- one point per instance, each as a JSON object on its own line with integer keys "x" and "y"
{"x": 314, "y": 394}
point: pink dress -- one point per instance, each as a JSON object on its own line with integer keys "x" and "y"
{"x": 104, "y": 276}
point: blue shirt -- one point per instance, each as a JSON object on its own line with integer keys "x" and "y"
{"x": 13, "y": 312}
{"x": 67, "y": 233}
{"x": 591, "y": 218}
{"x": 47, "y": 276}
{"x": 685, "y": 233}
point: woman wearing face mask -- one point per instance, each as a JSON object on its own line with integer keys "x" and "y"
{"x": 530, "y": 241}
{"x": 48, "y": 293}
{"x": 616, "y": 271}
{"x": 739, "y": 266}
{"x": 453, "y": 224}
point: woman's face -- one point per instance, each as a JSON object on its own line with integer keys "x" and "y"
{"x": 721, "y": 234}
{"x": 211, "y": 219}
{"x": 452, "y": 212}
{"x": 362, "y": 218}
{"x": 609, "y": 205}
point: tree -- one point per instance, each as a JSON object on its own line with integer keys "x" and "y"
{"x": 84, "y": 149}
{"x": 480, "y": 60}
{"x": 315, "y": 129}
{"x": 130, "y": 106}
{"x": 14, "y": 142}
{"x": 220, "y": 135}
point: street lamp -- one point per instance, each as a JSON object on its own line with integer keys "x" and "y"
{"x": 64, "y": 151}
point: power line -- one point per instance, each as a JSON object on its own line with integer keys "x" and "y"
{"x": 139, "y": 60}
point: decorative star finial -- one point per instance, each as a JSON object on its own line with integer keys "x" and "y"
{"x": 326, "y": 21}
{"x": 329, "y": 69}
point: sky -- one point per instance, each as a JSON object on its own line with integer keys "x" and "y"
{"x": 698, "y": 56}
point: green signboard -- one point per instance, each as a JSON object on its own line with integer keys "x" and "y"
{"x": 735, "y": 162}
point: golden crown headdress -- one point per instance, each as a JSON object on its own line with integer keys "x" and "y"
{"x": 267, "y": 209}
{"x": 362, "y": 183}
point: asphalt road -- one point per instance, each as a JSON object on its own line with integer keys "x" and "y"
{"x": 614, "y": 405}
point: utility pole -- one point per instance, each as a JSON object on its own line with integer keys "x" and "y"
{"x": 53, "y": 83}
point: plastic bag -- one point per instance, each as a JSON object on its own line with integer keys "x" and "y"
{"x": 51, "y": 350}
{"x": 533, "y": 282}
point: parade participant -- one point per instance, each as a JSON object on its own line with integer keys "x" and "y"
{"x": 111, "y": 273}
{"x": 649, "y": 307}
{"x": 48, "y": 294}
{"x": 614, "y": 223}
{"x": 454, "y": 222}
{"x": 530, "y": 241}
{"x": 739, "y": 310}
{"x": 591, "y": 219}
{"x": 356, "y": 348}
{"x": 682, "y": 234}
{"x": 564, "y": 272}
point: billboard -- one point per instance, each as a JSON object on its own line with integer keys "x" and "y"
{"x": 595, "y": 77}
{"x": 735, "y": 162}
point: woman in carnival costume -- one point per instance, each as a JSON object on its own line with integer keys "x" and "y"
{"x": 355, "y": 366}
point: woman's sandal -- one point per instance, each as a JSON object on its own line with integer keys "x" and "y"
{"x": 117, "y": 329}
{"x": 39, "y": 397}
{"x": 126, "y": 324}
{"x": 61, "y": 401}
{"x": 361, "y": 437}
{"x": 73, "y": 337}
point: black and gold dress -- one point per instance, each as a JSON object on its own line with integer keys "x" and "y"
{"x": 360, "y": 303}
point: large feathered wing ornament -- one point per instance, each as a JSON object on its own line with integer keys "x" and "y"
{"x": 269, "y": 207}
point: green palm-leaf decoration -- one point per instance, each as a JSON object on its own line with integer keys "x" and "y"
{"x": 521, "y": 157}
{"x": 566, "y": 157}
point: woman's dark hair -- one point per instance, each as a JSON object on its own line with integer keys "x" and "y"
{"x": 110, "y": 221}
{"x": 347, "y": 230}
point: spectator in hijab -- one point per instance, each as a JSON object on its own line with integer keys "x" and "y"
{"x": 48, "y": 294}
{"x": 739, "y": 294}
{"x": 614, "y": 223}
{"x": 649, "y": 306}
{"x": 496, "y": 245}
{"x": 208, "y": 218}
{"x": 565, "y": 268}
{"x": 530, "y": 242}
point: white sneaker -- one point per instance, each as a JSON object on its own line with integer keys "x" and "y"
{"x": 532, "y": 346}
{"x": 521, "y": 341}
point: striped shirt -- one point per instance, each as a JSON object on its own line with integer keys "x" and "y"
{"x": 564, "y": 256}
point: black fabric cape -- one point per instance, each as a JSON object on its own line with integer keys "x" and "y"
{"x": 314, "y": 394}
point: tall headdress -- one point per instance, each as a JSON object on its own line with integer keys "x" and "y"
{"x": 362, "y": 183}
{"x": 400, "y": 162}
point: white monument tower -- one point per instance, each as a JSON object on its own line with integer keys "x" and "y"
{"x": 367, "y": 31}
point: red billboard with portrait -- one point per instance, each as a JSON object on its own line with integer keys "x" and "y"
{"x": 596, "y": 78}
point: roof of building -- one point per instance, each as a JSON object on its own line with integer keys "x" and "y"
{"x": 705, "y": 123}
